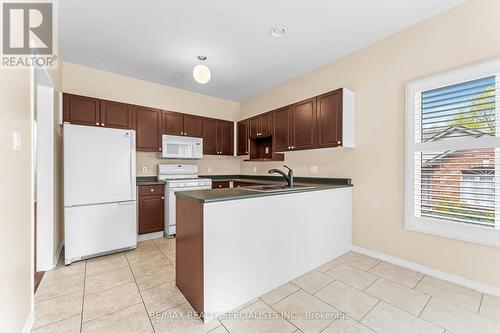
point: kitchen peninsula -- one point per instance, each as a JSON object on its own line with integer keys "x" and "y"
{"x": 235, "y": 244}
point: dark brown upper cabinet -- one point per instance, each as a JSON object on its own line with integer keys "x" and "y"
{"x": 329, "y": 123}
{"x": 193, "y": 126}
{"x": 80, "y": 110}
{"x": 225, "y": 137}
{"x": 243, "y": 136}
{"x": 303, "y": 125}
{"x": 281, "y": 134}
{"x": 172, "y": 123}
{"x": 210, "y": 136}
{"x": 116, "y": 115}
{"x": 261, "y": 125}
{"x": 147, "y": 123}
{"x": 218, "y": 137}
{"x": 182, "y": 124}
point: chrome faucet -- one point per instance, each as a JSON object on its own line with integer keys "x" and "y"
{"x": 288, "y": 178}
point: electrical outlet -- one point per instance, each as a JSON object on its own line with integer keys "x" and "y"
{"x": 314, "y": 169}
{"x": 144, "y": 169}
{"x": 209, "y": 169}
{"x": 254, "y": 169}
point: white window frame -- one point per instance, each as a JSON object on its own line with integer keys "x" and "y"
{"x": 461, "y": 231}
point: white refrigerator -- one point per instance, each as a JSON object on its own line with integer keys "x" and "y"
{"x": 100, "y": 207}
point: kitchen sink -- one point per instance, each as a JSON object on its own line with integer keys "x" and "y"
{"x": 275, "y": 188}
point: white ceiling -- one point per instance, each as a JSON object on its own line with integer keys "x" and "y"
{"x": 159, "y": 40}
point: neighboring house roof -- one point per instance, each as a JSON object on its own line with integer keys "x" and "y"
{"x": 450, "y": 132}
{"x": 447, "y": 132}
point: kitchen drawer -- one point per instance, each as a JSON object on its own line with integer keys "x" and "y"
{"x": 220, "y": 184}
{"x": 151, "y": 190}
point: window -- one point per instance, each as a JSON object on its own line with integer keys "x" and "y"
{"x": 453, "y": 153}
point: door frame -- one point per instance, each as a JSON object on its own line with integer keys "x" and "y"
{"x": 43, "y": 150}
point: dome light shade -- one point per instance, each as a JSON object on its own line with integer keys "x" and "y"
{"x": 201, "y": 74}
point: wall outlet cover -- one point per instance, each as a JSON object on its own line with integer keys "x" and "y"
{"x": 255, "y": 169}
{"x": 209, "y": 169}
{"x": 144, "y": 169}
{"x": 314, "y": 169}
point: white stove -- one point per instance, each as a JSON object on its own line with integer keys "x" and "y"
{"x": 179, "y": 177}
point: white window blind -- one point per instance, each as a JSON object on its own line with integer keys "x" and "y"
{"x": 453, "y": 149}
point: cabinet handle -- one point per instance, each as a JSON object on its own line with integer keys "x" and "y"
{"x": 152, "y": 190}
{"x": 102, "y": 124}
{"x": 162, "y": 198}
{"x": 97, "y": 124}
{"x": 159, "y": 149}
{"x": 182, "y": 133}
{"x": 338, "y": 142}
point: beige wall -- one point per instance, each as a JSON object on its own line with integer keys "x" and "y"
{"x": 96, "y": 83}
{"x": 465, "y": 34}
{"x": 15, "y": 201}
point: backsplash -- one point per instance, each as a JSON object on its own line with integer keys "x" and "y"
{"x": 209, "y": 165}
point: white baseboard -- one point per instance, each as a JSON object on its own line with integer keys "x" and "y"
{"x": 150, "y": 236}
{"x": 481, "y": 287}
{"x": 28, "y": 325}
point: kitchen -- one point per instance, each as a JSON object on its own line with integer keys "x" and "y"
{"x": 303, "y": 167}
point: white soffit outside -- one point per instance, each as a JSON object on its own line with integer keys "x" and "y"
{"x": 159, "y": 41}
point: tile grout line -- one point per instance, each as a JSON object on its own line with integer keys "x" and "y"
{"x": 55, "y": 322}
{"x": 83, "y": 295}
{"x": 371, "y": 284}
{"x": 373, "y": 307}
{"x": 140, "y": 295}
{"x": 424, "y": 306}
{"x": 480, "y": 304}
{"x": 415, "y": 286}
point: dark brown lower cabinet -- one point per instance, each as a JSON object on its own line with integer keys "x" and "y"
{"x": 151, "y": 209}
{"x": 220, "y": 184}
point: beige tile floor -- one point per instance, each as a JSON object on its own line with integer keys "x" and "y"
{"x": 135, "y": 292}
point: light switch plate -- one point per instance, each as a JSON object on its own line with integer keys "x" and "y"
{"x": 144, "y": 169}
{"x": 16, "y": 141}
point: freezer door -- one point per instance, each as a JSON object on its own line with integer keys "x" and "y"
{"x": 98, "y": 229}
{"x": 99, "y": 165}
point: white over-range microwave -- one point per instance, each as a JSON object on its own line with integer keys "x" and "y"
{"x": 181, "y": 147}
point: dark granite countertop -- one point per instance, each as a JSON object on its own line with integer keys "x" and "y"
{"x": 147, "y": 181}
{"x": 226, "y": 194}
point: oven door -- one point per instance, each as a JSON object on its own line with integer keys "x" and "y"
{"x": 170, "y": 206}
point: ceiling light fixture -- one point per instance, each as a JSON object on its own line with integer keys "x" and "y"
{"x": 201, "y": 73}
{"x": 278, "y": 31}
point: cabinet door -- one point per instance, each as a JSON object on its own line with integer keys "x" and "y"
{"x": 254, "y": 127}
{"x": 148, "y": 128}
{"x": 226, "y": 143}
{"x": 193, "y": 126}
{"x": 281, "y": 134}
{"x": 303, "y": 123}
{"x": 209, "y": 136}
{"x": 329, "y": 119}
{"x": 172, "y": 123}
{"x": 116, "y": 115}
{"x": 151, "y": 212}
{"x": 81, "y": 110}
{"x": 265, "y": 123}
{"x": 220, "y": 184}
{"x": 242, "y": 136}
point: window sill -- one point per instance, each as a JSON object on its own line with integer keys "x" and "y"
{"x": 464, "y": 232}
